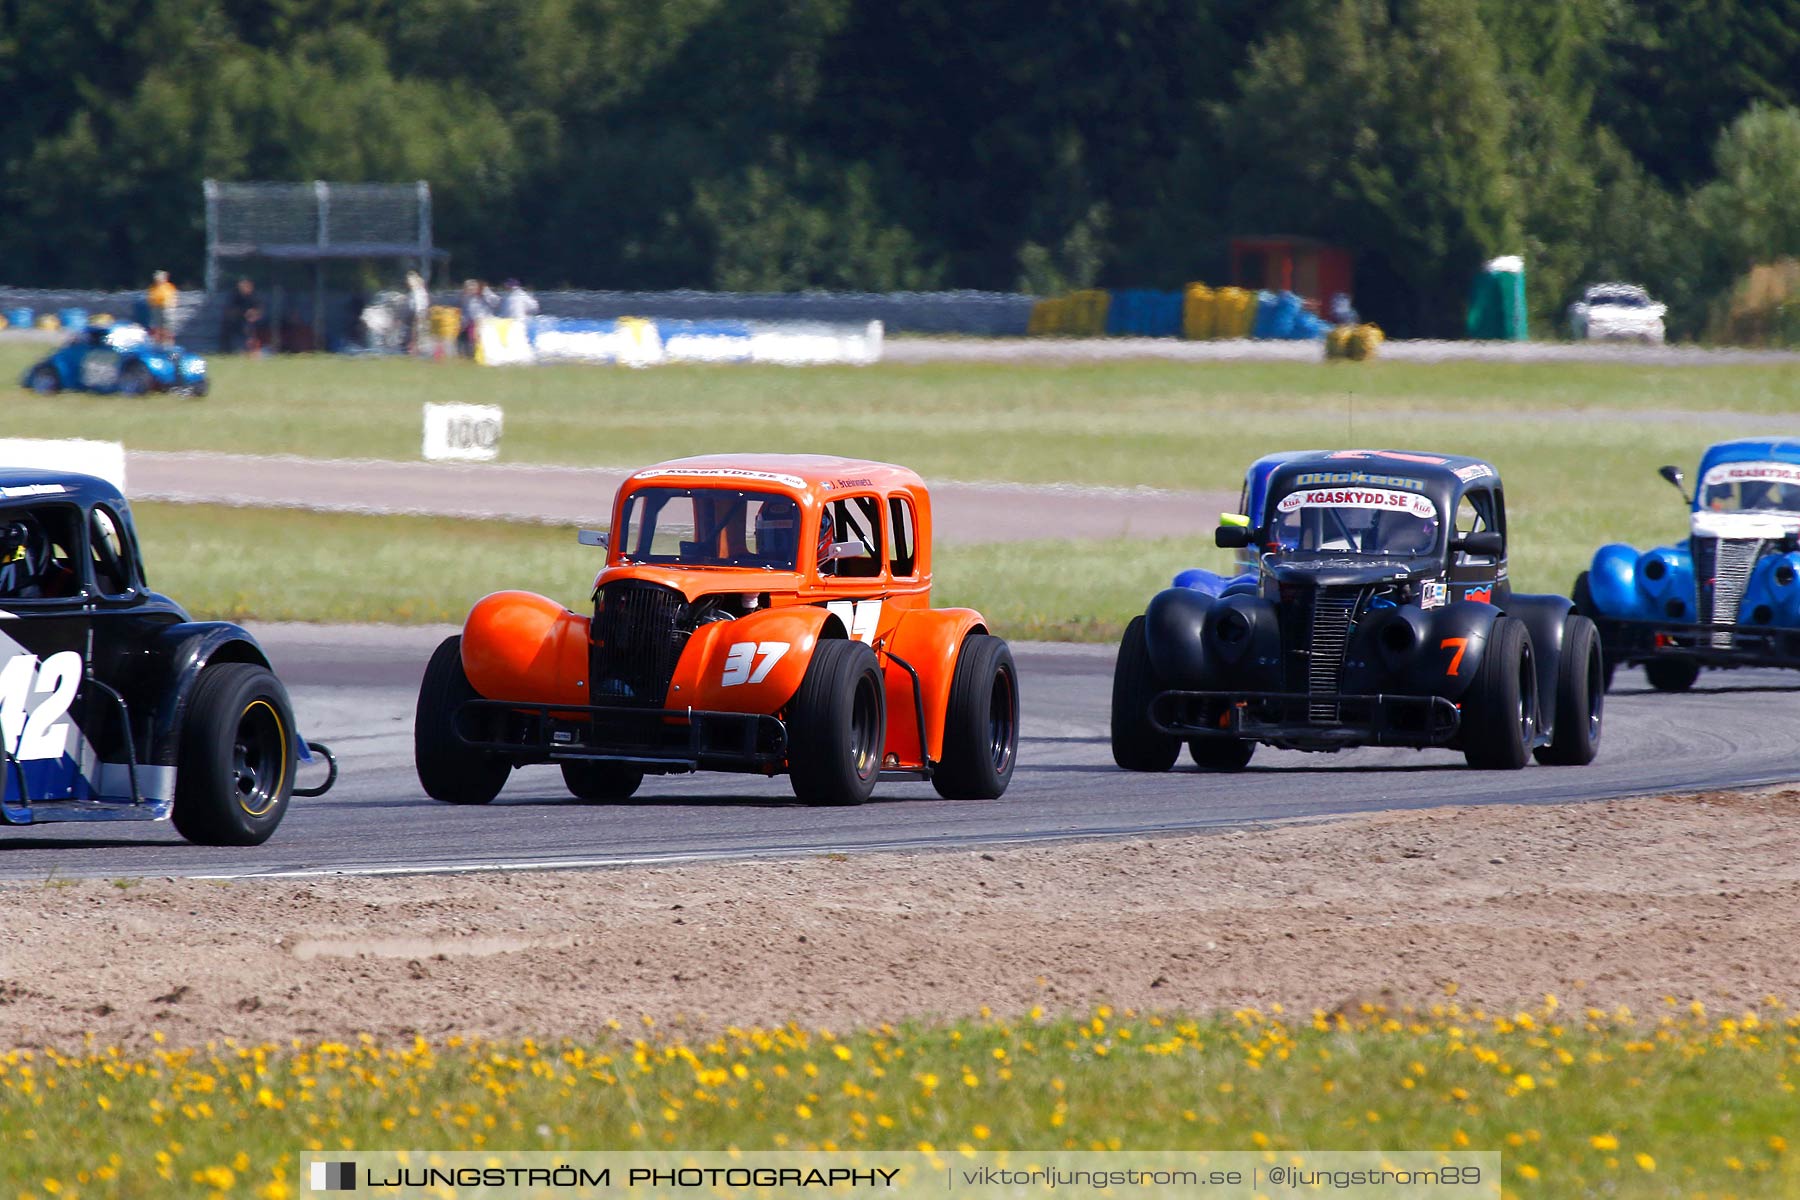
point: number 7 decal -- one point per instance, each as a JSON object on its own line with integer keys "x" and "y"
{"x": 1461, "y": 645}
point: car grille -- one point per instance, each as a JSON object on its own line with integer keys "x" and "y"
{"x": 1722, "y": 569}
{"x": 1333, "y": 613}
{"x": 638, "y": 635}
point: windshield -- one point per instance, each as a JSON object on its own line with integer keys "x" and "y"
{"x": 1751, "y": 487}
{"x": 1354, "y": 521}
{"x": 710, "y": 527}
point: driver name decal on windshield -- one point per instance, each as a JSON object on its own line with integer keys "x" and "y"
{"x": 1399, "y": 481}
{"x": 1387, "y": 501}
{"x": 1752, "y": 472}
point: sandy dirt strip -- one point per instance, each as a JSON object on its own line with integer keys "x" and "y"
{"x": 1695, "y": 897}
{"x": 963, "y": 512}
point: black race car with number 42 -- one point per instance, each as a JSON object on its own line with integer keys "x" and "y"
{"x": 114, "y": 705}
{"x": 1382, "y": 616}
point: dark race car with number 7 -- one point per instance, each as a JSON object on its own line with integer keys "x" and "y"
{"x": 114, "y": 705}
{"x": 1382, "y": 616}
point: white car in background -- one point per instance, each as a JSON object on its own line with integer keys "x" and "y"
{"x": 1617, "y": 312}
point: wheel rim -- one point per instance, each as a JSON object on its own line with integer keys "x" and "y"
{"x": 865, "y": 716}
{"x": 1596, "y": 674}
{"x": 1527, "y": 699}
{"x": 259, "y": 758}
{"x": 1003, "y": 721}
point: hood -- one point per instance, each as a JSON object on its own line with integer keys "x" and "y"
{"x": 1347, "y": 570}
{"x": 1766, "y": 526}
{"x": 694, "y": 582}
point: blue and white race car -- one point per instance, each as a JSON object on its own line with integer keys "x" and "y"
{"x": 1727, "y": 595}
{"x": 118, "y": 359}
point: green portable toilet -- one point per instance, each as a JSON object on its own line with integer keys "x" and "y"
{"x": 1497, "y": 302}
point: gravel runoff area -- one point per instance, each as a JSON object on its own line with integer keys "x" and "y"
{"x": 552, "y": 495}
{"x": 1626, "y": 901}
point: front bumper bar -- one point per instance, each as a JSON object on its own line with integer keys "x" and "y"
{"x": 1631, "y": 641}
{"x": 1285, "y": 718}
{"x": 660, "y": 740}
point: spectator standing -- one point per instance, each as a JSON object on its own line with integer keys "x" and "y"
{"x": 243, "y": 320}
{"x": 478, "y": 301}
{"x": 418, "y": 312}
{"x": 518, "y": 304}
{"x": 160, "y": 296}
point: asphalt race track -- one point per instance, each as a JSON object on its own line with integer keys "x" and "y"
{"x": 355, "y": 687}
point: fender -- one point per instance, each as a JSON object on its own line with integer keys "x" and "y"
{"x": 1545, "y": 618}
{"x": 188, "y": 648}
{"x": 522, "y": 646}
{"x": 1241, "y": 639}
{"x": 930, "y": 640}
{"x": 1174, "y": 625}
{"x": 1613, "y": 583}
{"x": 1665, "y": 580}
{"x": 753, "y": 664}
{"x": 1199, "y": 579}
{"x": 1455, "y": 644}
{"x": 1390, "y": 649}
{"x": 1773, "y": 594}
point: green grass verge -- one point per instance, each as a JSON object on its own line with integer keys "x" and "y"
{"x": 273, "y": 565}
{"x": 1577, "y": 1104}
{"x": 276, "y": 565}
{"x": 1166, "y": 424}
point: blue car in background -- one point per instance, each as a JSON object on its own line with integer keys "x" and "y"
{"x": 1728, "y": 595}
{"x": 1249, "y": 515}
{"x": 118, "y": 360}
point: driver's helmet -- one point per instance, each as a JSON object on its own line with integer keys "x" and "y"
{"x": 827, "y": 538}
{"x": 26, "y": 558}
{"x": 777, "y": 529}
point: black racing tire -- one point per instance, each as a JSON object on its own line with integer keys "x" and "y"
{"x": 198, "y": 389}
{"x": 601, "y": 781}
{"x": 135, "y": 380}
{"x": 1583, "y": 596}
{"x": 1580, "y": 697}
{"x": 981, "y": 722}
{"x": 837, "y": 725}
{"x": 1671, "y": 674}
{"x": 1221, "y": 754}
{"x": 1500, "y": 710}
{"x": 44, "y": 380}
{"x": 1136, "y": 744}
{"x": 238, "y": 754}
{"x": 449, "y": 769}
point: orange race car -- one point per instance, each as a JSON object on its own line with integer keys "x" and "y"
{"x": 756, "y": 613}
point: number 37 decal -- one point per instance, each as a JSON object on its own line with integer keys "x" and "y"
{"x": 751, "y": 662}
{"x": 34, "y": 700}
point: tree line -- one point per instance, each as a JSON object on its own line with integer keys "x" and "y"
{"x": 902, "y": 144}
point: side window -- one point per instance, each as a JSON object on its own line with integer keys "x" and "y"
{"x": 113, "y": 573}
{"x": 853, "y": 536}
{"x": 1478, "y": 513}
{"x": 37, "y": 553}
{"x": 905, "y": 561}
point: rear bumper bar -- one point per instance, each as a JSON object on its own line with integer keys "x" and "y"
{"x": 1287, "y": 718}
{"x": 1626, "y": 641}
{"x": 660, "y": 740}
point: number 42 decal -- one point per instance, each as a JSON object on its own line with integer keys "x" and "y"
{"x": 33, "y": 701}
{"x": 751, "y": 662}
